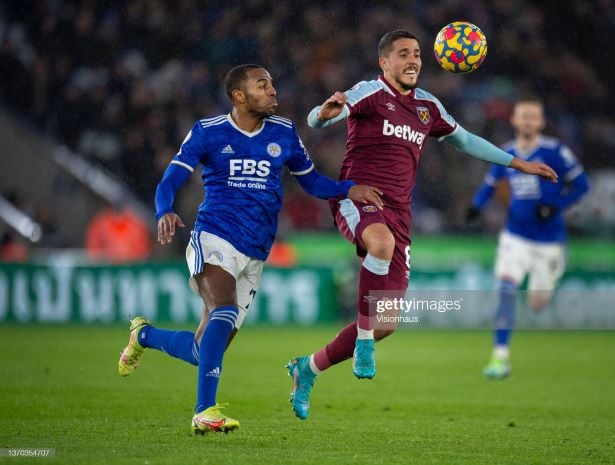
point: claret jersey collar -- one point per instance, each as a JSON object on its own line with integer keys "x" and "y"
{"x": 392, "y": 90}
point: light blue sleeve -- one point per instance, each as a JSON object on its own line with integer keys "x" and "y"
{"x": 358, "y": 103}
{"x": 477, "y": 147}
{"x": 313, "y": 121}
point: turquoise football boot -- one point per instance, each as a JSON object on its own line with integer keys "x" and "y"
{"x": 363, "y": 361}
{"x": 303, "y": 380}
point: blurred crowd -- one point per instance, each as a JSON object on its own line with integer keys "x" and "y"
{"x": 122, "y": 81}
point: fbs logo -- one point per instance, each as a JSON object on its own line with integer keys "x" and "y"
{"x": 249, "y": 167}
{"x": 403, "y": 131}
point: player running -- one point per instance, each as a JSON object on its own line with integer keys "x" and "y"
{"x": 389, "y": 120}
{"x": 243, "y": 154}
{"x": 533, "y": 241}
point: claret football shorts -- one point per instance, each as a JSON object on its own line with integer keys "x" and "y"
{"x": 352, "y": 218}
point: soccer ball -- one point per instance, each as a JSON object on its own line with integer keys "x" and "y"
{"x": 460, "y": 47}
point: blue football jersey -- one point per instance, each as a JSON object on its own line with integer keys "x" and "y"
{"x": 528, "y": 192}
{"x": 242, "y": 177}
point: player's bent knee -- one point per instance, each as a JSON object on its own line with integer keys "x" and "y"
{"x": 379, "y": 241}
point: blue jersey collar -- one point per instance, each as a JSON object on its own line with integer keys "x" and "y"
{"x": 245, "y": 133}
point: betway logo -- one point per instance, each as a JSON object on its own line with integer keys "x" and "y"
{"x": 403, "y": 131}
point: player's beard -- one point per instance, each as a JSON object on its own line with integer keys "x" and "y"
{"x": 263, "y": 112}
{"x": 271, "y": 111}
{"x": 405, "y": 85}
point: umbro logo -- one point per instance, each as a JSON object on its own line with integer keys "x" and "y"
{"x": 215, "y": 372}
{"x": 390, "y": 106}
{"x": 228, "y": 149}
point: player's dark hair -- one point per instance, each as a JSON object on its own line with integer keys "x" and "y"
{"x": 386, "y": 43}
{"x": 235, "y": 77}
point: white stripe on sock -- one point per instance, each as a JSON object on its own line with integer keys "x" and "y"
{"x": 222, "y": 318}
{"x": 313, "y": 366}
{"x": 376, "y": 265}
{"x": 364, "y": 333}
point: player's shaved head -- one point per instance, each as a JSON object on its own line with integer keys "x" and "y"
{"x": 236, "y": 76}
{"x": 386, "y": 42}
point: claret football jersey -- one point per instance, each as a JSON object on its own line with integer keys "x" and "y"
{"x": 386, "y": 134}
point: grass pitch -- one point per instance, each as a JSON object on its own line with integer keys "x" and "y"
{"x": 428, "y": 403}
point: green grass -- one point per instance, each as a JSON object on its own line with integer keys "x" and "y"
{"x": 446, "y": 251}
{"x": 428, "y": 404}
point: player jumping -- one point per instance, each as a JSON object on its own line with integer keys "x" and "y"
{"x": 389, "y": 120}
{"x": 243, "y": 154}
{"x": 533, "y": 241}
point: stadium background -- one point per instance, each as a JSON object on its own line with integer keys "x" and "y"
{"x": 95, "y": 98}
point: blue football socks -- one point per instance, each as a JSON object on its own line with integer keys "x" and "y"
{"x": 505, "y": 313}
{"x": 179, "y": 344}
{"x": 221, "y": 322}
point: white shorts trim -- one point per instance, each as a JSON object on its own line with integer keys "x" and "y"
{"x": 350, "y": 213}
{"x": 208, "y": 248}
{"x": 544, "y": 263}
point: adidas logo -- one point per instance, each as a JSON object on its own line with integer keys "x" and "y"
{"x": 228, "y": 149}
{"x": 214, "y": 372}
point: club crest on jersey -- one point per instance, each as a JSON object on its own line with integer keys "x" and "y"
{"x": 370, "y": 209}
{"x": 423, "y": 113}
{"x": 274, "y": 150}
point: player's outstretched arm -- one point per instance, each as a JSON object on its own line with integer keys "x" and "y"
{"x": 331, "y": 111}
{"x": 173, "y": 178}
{"x": 324, "y": 187}
{"x": 480, "y": 148}
{"x": 530, "y": 167}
